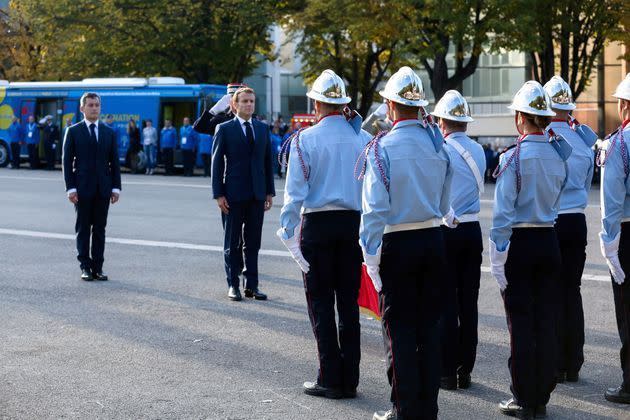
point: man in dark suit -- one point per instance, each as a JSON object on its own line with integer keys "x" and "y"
{"x": 242, "y": 184}
{"x": 51, "y": 137}
{"x": 92, "y": 174}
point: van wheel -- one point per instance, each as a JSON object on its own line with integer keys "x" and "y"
{"x": 138, "y": 162}
{"x": 4, "y": 154}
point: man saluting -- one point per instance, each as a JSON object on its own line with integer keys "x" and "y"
{"x": 91, "y": 171}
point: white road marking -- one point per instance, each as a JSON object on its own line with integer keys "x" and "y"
{"x": 198, "y": 247}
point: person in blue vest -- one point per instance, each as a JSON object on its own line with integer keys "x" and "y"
{"x": 571, "y": 228}
{"x": 188, "y": 145}
{"x": 168, "y": 143}
{"x": 205, "y": 150}
{"x": 32, "y": 141}
{"x": 16, "y": 139}
{"x": 463, "y": 241}
{"x": 406, "y": 193}
{"x": 524, "y": 251}
{"x": 320, "y": 228}
{"x": 615, "y": 234}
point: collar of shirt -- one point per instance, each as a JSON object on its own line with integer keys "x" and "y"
{"x": 242, "y": 123}
{"x": 559, "y": 124}
{"x": 87, "y": 124}
{"x": 332, "y": 114}
{"x": 405, "y": 122}
{"x": 624, "y": 124}
{"x": 455, "y": 134}
{"x": 537, "y": 137}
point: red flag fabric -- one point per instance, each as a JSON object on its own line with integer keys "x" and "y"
{"x": 368, "y": 297}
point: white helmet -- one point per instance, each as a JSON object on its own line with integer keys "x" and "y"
{"x": 623, "y": 90}
{"x": 560, "y": 93}
{"x": 405, "y": 87}
{"x": 329, "y": 88}
{"x": 532, "y": 99}
{"x": 453, "y": 107}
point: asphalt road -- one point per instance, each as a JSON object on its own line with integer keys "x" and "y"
{"x": 160, "y": 339}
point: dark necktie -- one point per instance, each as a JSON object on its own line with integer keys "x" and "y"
{"x": 249, "y": 133}
{"x": 93, "y": 133}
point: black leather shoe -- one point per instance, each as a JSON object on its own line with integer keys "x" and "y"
{"x": 234, "y": 294}
{"x": 448, "y": 382}
{"x": 256, "y": 294}
{"x": 561, "y": 377}
{"x": 385, "y": 415}
{"x": 511, "y": 408}
{"x": 572, "y": 376}
{"x": 316, "y": 390}
{"x": 349, "y": 392}
{"x": 86, "y": 275}
{"x": 540, "y": 412}
{"x": 99, "y": 275}
{"x": 617, "y": 395}
{"x": 463, "y": 380}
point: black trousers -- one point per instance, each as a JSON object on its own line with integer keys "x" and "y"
{"x": 188, "y": 157}
{"x": 49, "y": 150}
{"x": 167, "y": 157}
{"x": 413, "y": 266}
{"x": 90, "y": 224}
{"x": 531, "y": 301}
{"x": 330, "y": 243}
{"x": 571, "y": 232}
{"x": 15, "y": 155}
{"x": 621, "y": 294}
{"x": 243, "y": 223}
{"x": 33, "y": 155}
{"x": 464, "y": 247}
{"x": 207, "y": 164}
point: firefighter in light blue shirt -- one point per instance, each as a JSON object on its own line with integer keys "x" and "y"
{"x": 571, "y": 228}
{"x": 188, "y": 144}
{"x": 530, "y": 179}
{"x": 615, "y": 234}
{"x": 406, "y": 194}
{"x": 463, "y": 242}
{"x": 205, "y": 150}
{"x": 168, "y": 143}
{"x": 320, "y": 227}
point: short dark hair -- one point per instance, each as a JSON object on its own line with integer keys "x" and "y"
{"x": 242, "y": 90}
{"x": 455, "y": 125}
{"x": 91, "y": 95}
{"x": 540, "y": 121}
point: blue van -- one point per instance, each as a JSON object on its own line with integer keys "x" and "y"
{"x": 154, "y": 98}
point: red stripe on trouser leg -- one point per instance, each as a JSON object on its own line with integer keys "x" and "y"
{"x": 394, "y": 381}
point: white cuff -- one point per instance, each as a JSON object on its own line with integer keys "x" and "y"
{"x": 70, "y": 191}
{"x": 498, "y": 257}
{"x": 609, "y": 249}
{"x": 116, "y": 191}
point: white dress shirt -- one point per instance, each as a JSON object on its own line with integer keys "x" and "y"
{"x": 88, "y": 123}
{"x": 242, "y": 122}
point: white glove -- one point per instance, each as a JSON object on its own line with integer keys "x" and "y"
{"x": 497, "y": 264}
{"x": 610, "y": 251}
{"x": 449, "y": 219}
{"x": 381, "y": 111}
{"x": 222, "y": 105}
{"x": 372, "y": 263}
{"x": 293, "y": 245}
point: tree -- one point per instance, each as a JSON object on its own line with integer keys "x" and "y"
{"x": 359, "y": 40}
{"x": 20, "y": 54}
{"x": 199, "y": 40}
{"x": 565, "y": 35}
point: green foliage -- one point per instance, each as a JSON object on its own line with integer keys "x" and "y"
{"x": 201, "y": 40}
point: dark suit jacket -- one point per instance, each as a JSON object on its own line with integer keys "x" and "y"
{"x": 238, "y": 172}
{"x": 88, "y": 170}
{"x": 207, "y": 123}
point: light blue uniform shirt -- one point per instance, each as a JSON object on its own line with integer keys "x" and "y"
{"x": 581, "y": 164}
{"x": 187, "y": 137}
{"x": 464, "y": 190}
{"x": 615, "y": 189}
{"x": 543, "y": 176}
{"x": 168, "y": 138}
{"x": 419, "y": 183}
{"x": 330, "y": 150}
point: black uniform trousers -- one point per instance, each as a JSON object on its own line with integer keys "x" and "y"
{"x": 330, "y": 243}
{"x": 15, "y": 155}
{"x": 571, "y": 232}
{"x": 464, "y": 247}
{"x": 412, "y": 269}
{"x": 207, "y": 164}
{"x": 531, "y": 301}
{"x": 33, "y": 155}
{"x": 49, "y": 150}
{"x": 188, "y": 157}
{"x": 621, "y": 294}
{"x": 243, "y": 223}
{"x": 90, "y": 224}
{"x": 167, "y": 157}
